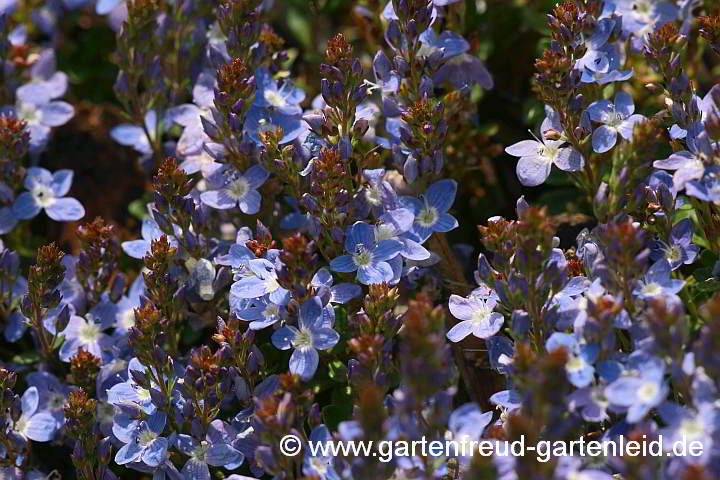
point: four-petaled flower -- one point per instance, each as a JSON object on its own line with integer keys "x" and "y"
{"x": 431, "y": 209}
{"x": 235, "y": 188}
{"x": 313, "y": 333}
{"x": 476, "y": 316}
{"x": 47, "y": 191}
{"x": 366, "y": 255}
{"x": 536, "y": 158}
{"x": 618, "y": 117}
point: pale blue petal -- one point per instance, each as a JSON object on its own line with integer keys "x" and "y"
{"x": 136, "y": 248}
{"x": 250, "y": 204}
{"x": 56, "y": 113}
{"x": 155, "y": 454}
{"x": 460, "y": 331}
{"x": 325, "y": 338}
{"x": 128, "y": 453}
{"x": 532, "y": 171}
{"x": 441, "y": 194}
{"x": 445, "y": 223}
{"x": 624, "y": 104}
{"x": 218, "y": 199}
{"x": 386, "y": 249}
{"x": 41, "y": 427}
{"x": 304, "y": 362}
{"x": 25, "y": 206}
{"x": 524, "y": 148}
{"x": 256, "y": 176}
{"x": 282, "y": 337}
{"x": 65, "y": 209}
{"x": 343, "y": 263}
{"x": 61, "y": 182}
{"x": 344, "y": 292}
{"x": 604, "y": 138}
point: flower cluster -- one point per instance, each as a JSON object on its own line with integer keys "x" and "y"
{"x": 298, "y": 270}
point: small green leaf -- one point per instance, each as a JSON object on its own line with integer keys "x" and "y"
{"x": 26, "y": 358}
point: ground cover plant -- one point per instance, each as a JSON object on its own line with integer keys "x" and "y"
{"x": 222, "y": 223}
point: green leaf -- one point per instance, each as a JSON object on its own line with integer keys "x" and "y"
{"x": 26, "y": 358}
{"x": 338, "y": 371}
{"x": 138, "y": 209}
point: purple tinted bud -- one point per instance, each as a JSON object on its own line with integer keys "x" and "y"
{"x": 63, "y": 319}
{"x": 337, "y": 235}
{"x": 410, "y": 169}
{"x": 117, "y": 287}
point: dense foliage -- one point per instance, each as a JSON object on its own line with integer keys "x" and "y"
{"x": 313, "y": 185}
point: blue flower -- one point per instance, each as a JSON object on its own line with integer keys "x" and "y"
{"x": 47, "y": 191}
{"x": 639, "y": 17}
{"x": 260, "y": 120}
{"x": 135, "y": 136}
{"x": 235, "y": 188}
{"x": 319, "y": 465}
{"x": 129, "y": 393}
{"x": 40, "y": 115}
{"x": 144, "y": 444}
{"x": 339, "y": 293}
{"x": 84, "y": 334}
{"x": 261, "y": 313}
{"x": 602, "y": 65}
{"x": 34, "y": 424}
{"x": 204, "y": 453}
{"x": 658, "y": 281}
{"x": 467, "y": 424}
{"x": 679, "y": 250}
{"x": 149, "y": 231}
{"x": 637, "y": 394}
{"x": 579, "y": 366}
{"x": 52, "y": 393}
{"x": 311, "y": 335}
{"x": 537, "y": 157}
{"x": 476, "y": 316}
{"x": 706, "y": 188}
{"x": 280, "y": 96}
{"x": 616, "y": 118}
{"x": 260, "y": 279}
{"x": 431, "y": 209}
{"x": 366, "y": 256}
{"x": 688, "y": 166}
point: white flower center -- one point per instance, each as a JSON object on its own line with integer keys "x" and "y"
{"x": 89, "y": 333}
{"x": 577, "y": 476}
{"x": 548, "y": 153}
{"x": 642, "y": 7}
{"x": 127, "y": 319}
{"x": 652, "y": 289}
{"x": 274, "y": 98}
{"x": 304, "y": 338}
{"x": 29, "y": 113}
{"x": 142, "y": 393}
{"x": 201, "y": 451}
{"x": 271, "y": 310}
{"x": 673, "y": 253}
{"x": 575, "y": 364}
{"x": 384, "y": 231}
{"x": 22, "y": 424}
{"x": 319, "y": 464}
{"x": 480, "y": 315}
{"x": 647, "y": 392}
{"x": 239, "y": 188}
{"x": 146, "y": 436}
{"x": 363, "y": 257}
{"x": 692, "y": 428}
{"x": 43, "y": 195}
{"x": 373, "y": 196}
{"x": 427, "y": 217}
